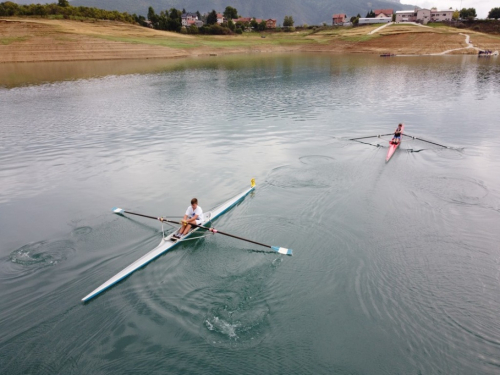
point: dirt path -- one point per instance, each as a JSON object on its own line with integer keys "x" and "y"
{"x": 467, "y": 42}
{"x": 380, "y": 28}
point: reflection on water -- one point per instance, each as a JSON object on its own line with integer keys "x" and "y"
{"x": 395, "y": 265}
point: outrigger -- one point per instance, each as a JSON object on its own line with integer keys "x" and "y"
{"x": 394, "y": 146}
{"x": 169, "y": 241}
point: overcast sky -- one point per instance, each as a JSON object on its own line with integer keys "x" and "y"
{"x": 482, "y": 6}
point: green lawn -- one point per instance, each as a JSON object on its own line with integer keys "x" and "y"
{"x": 9, "y": 40}
{"x": 232, "y": 41}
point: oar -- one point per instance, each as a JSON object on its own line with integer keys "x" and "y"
{"x": 373, "y": 136}
{"x": 277, "y": 249}
{"x": 369, "y": 144}
{"x": 423, "y": 140}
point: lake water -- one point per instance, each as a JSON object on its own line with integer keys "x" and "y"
{"x": 396, "y": 266}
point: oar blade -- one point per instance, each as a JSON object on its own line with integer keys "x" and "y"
{"x": 281, "y": 250}
{"x": 118, "y": 211}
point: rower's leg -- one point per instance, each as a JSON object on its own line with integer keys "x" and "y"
{"x": 186, "y": 229}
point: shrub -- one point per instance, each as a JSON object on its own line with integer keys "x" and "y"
{"x": 193, "y": 29}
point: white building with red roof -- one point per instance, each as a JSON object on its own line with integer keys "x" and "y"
{"x": 383, "y": 13}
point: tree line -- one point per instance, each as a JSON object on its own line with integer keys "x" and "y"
{"x": 171, "y": 20}
{"x": 62, "y": 8}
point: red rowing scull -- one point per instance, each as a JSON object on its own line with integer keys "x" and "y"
{"x": 394, "y": 146}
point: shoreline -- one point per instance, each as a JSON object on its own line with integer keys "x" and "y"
{"x": 55, "y": 40}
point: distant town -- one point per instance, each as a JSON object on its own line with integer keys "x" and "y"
{"x": 417, "y": 15}
{"x": 230, "y": 22}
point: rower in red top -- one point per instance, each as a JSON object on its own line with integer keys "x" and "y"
{"x": 397, "y": 135}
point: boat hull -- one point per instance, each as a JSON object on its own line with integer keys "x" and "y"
{"x": 393, "y": 147}
{"x": 165, "y": 245}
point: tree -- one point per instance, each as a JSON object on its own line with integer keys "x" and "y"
{"x": 231, "y": 25}
{"x": 63, "y": 3}
{"x": 469, "y": 13}
{"x": 262, "y": 25}
{"x": 254, "y": 23}
{"x": 174, "y": 14}
{"x": 370, "y": 14}
{"x": 212, "y": 18}
{"x": 288, "y": 21}
{"x": 174, "y": 21}
{"x": 230, "y": 13}
{"x": 456, "y": 15}
{"x": 152, "y": 15}
{"x": 494, "y": 13}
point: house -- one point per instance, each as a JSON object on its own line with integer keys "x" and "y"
{"x": 271, "y": 23}
{"x": 441, "y": 15}
{"x": 247, "y": 19}
{"x": 383, "y": 13}
{"x": 220, "y": 18}
{"x": 406, "y": 16}
{"x": 243, "y": 19}
{"x": 417, "y": 15}
{"x": 339, "y": 19}
{"x": 187, "y": 18}
{"x": 367, "y": 21}
{"x": 423, "y": 16}
{"x": 197, "y": 23}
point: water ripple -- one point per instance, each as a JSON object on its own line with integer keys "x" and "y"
{"x": 41, "y": 254}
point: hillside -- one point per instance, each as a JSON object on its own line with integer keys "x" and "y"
{"x": 42, "y": 39}
{"x": 312, "y": 12}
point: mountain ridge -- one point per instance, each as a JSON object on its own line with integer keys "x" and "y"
{"x": 312, "y": 12}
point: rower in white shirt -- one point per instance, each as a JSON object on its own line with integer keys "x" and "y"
{"x": 194, "y": 215}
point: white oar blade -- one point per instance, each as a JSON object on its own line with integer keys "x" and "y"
{"x": 282, "y": 250}
{"x": 118, "y": 211}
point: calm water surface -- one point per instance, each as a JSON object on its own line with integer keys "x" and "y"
{"x": 396, "y": 267}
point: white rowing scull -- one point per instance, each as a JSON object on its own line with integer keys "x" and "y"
{"x": 167, "y": 243}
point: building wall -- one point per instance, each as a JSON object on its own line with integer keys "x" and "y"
{"x": 271, "y": 23}
{"x": 366, "y": 21}
{"x": 407, "y": 16}
{"x": 424, "y": 16}
{"x": 443, "y": 15}
{"x": 418, "y": 15}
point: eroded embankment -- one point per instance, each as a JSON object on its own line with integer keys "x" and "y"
{"x": 32, "y": 39}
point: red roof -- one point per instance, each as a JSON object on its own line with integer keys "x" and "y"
{"x": 385, "y": 11}
{"x": 339, "y": 16}
{"x": 246, "y": 19}
{"x": 242, "y": 19}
